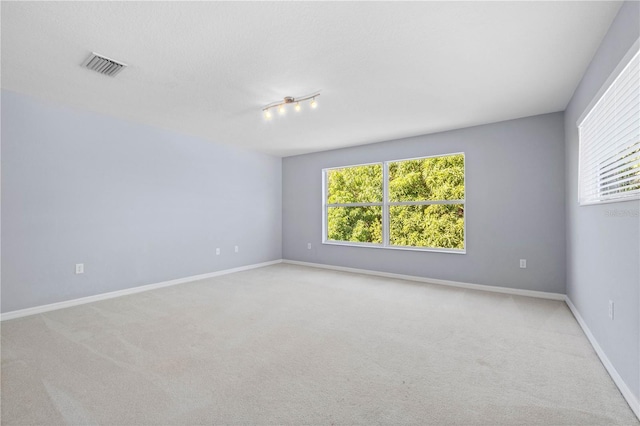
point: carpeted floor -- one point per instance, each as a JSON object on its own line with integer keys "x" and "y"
{"x": 293, "y": 345}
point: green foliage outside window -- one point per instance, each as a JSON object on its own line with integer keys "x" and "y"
{"x": 433, "y": 179}
{"x": 359, "y": 184}
{"x": 427, "y": 179}
{"x": 357, "y": 224}
{"x": 432, "y": 225}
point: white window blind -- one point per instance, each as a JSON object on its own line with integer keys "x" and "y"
{"x": 610, "y": 141}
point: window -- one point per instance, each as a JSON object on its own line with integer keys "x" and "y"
{"x": 411, "y": 204}
{"x": 609, "y": 160}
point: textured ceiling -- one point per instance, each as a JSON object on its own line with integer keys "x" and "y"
{"x": 386, "y": 69}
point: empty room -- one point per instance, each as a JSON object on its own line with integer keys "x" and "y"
{"x": 320, "y": 213}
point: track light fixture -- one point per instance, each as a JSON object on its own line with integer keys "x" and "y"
{"x": 281, "y": 105}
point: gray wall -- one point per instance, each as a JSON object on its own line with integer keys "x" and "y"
{"x": 136, "y": 205}
{"x": 603, "y": 252}
{"x": 515, "y": 206}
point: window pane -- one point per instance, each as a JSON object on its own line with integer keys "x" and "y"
{"x": 359, "y": 184}
{"x": 361, "y": 224}
{"x": 425, "y": 179}
{"x": 433, "y": 225}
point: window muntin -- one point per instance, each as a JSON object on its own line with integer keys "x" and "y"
{"x": 414, "y": 204}
{"x": 609, "y": 160}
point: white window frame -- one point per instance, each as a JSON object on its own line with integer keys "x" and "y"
{"x": 385, "y": 204}
{"x": 593, "y": 152}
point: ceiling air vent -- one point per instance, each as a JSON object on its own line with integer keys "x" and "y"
{"x": 103, "y": 65}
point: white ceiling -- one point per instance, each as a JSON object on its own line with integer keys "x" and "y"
{"x": 386, "y": 70}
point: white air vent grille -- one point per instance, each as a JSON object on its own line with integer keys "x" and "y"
{"x": 103, "y": 65}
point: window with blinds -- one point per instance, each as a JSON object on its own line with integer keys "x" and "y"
{"x": 610, "y": 141}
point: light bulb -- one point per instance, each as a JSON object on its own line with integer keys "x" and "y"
{"x": 298, "y": 106}
{"x": 281, "y": 110}
{"x": 314, "y": 104}
{"x": 267, "y": 114}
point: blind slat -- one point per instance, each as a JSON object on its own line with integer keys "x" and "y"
{"x": 603, "y": 127}
{"x": 602, "y": 165}
{"x": 623, "y": 170}
{"x": 604, "y": 110}
{"x": 605, "y": 151}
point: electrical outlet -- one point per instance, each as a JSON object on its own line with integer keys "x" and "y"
{"x": 236, "y": 249}
{"x": 523, "y": 263}
{"x": 79, "y": 268}
{"x": 217, "y": 251}
{"x": 610, "y": 309}
{"x": 308, "y": 246}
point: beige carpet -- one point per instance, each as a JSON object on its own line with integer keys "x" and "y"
{"x": 292, "y": 345}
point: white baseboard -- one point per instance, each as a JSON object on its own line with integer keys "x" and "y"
{"x": 81, "y": 301}
{"x": 632, "y": 400}
{"x": 482, "y": 287}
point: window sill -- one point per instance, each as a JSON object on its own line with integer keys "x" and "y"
{"x": 405, "y": 248}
